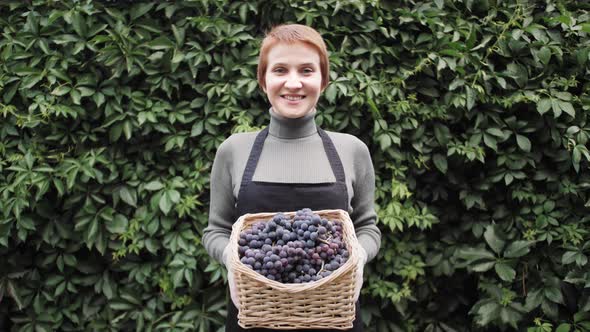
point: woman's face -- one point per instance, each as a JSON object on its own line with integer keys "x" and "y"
{"x": 293, "y": 79}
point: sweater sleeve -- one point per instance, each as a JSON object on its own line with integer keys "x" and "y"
{"x": 222, "y": 204}
{"x": 363, "y": 203}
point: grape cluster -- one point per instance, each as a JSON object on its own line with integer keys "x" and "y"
{"x": 303, "y": 249}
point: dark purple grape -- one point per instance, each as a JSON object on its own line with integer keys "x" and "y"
{"x": 287, "y": 249}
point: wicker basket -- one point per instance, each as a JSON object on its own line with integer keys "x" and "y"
{"x": 323, "y": 304}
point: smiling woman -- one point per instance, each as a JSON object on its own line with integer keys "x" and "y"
{"x": 292, "y": 164}
{"x": 293, "y": 81}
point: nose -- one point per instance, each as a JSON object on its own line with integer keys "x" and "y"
{"x": 293, "y": 82}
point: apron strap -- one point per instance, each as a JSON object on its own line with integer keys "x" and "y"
{"x": 253, "y": 159}
{"x": 333, "y": 157}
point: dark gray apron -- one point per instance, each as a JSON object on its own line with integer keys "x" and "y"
{"x": 255, "y": 197}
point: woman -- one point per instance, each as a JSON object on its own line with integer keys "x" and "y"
{"x": 292, "y": 164}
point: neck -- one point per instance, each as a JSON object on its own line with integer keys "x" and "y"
{"x": 283, "y": 127}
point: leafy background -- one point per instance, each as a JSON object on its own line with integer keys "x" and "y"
{"x": 475, "y": 112}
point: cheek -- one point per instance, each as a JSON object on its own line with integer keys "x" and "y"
{"x": 271, "y": 83}
{"x": 316, "y": 84}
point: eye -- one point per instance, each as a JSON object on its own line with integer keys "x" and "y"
{"x": 308, "y": 70}
{"x": 279, "y": 70}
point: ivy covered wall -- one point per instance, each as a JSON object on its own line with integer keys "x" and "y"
{"x": 475, "y": 112}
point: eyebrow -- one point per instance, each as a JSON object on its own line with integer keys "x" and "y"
{"x": 300, "y": 65}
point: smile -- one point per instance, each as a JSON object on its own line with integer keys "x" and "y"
{"x": 293, "y": 98}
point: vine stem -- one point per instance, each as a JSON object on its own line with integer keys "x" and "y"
{"x": 505, "y": 27}
{"x": 524, "y": 271}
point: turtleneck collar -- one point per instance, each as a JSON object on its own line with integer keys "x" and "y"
{"x": 283, "y": 127}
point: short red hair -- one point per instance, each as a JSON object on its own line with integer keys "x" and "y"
{"x": 292, "y": 33}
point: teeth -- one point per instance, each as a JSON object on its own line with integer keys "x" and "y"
{"x": 293, "y": 97}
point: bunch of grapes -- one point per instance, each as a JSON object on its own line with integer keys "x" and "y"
{"x": 303, "y": 249}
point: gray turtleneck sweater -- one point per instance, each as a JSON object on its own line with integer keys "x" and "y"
{"x": 293, "y": 152}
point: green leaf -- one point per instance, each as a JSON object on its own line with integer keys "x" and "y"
{"x": 107, "y": 287}
{"x": 518, "y": 249}
{"x": 12, "y": 290}
{"x": 330, "y": 93}
{"x": 128, "y": 196}
{"x": 118, "y": 224}
{"x": 121, "y": 306}
{"x": 518, "y": 73}
{"x": 564, "y": 327}
{"x": 510, "y": 316}
{"x": 567, "y": 108}
{"x": 505, "y": 272}
{"x": 98, "y": 99}
{"x": 576, "y": 158}
{"x": 178, "y": 56}
{"x": 440, "y": 162}
{"x": 495, "y": 131}
{"x": 384, "y": 141}
{"x": 470, "y": 97}
{"x": 573, "y": 130}
{"x": 197, "y": 129}
{"x": 543, "y": 105}
{"x": 154, "y": 185}
{"x": 161, "y": 43}
{"x": 492, "y": 236}
{"x": 483, "y": 266}
{"x": 165, "y": 203}
{"x": 442, "y": 134}
{"x": 173, "y": 195}
{"x": 473, "y": 254}
{"x": 115, "y": 132}
{"x": 127, "y": 129}
{"x": 487, "y": 313}
{"x": 61, "y": 90}
{"x": 555, "y": 106}
{"x": 523, "y": 142}
{"x": 553, "y": 294}
{"x": 91, "y": 231}
{"x": 534, "y": 299}
{"x": 568, "y": 257}
{"x": 30, "y": 81}
{"x": 79, "y": 24}
{"x": 139, "y": 9}
{"x": 544, "y": 55}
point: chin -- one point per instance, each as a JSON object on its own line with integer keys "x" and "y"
{"x": 294, "y": 114}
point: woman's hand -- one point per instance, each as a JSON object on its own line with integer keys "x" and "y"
{"x": 233, "y": 290}
{"x": 359, "y": 267}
